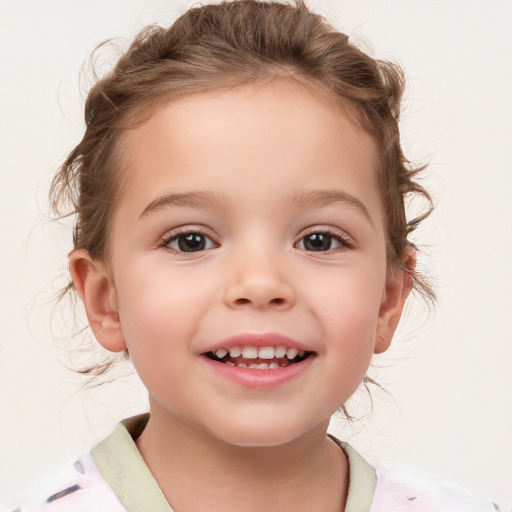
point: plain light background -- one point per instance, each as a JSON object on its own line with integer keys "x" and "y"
{"x": 448, "y": 373}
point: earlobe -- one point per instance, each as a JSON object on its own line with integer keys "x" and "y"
{"x": 398, "y": 286}
{"x": 95, "y": 288}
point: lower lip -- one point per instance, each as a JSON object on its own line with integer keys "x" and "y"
{"x": 259, "y": 378}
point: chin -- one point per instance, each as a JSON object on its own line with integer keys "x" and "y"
{"x": 258, "y": 434}
{"x": 258, "y": 439}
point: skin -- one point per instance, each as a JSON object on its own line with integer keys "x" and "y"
{"x": 268, "y": 157}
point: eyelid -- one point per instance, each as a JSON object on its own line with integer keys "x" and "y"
{"x": 174, "y": 233}
{"x": 342, "y": 236}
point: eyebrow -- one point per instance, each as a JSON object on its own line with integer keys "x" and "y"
{"x": 195, "y": 199}
{"x": 319, "y": 198}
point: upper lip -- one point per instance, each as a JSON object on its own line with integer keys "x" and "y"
{"x": 269, "y": 339}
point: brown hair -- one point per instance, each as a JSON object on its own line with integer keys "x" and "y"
{"x": 225, "y": 45}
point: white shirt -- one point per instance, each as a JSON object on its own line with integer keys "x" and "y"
{"x": 114, "y": 478}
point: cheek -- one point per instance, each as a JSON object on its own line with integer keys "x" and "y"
{"x": 351, "y": 338}
{"x": 160, "y": 312}
{"x": 347, "y": 310}
{"x": 152, "y": 316}
{"x": 351, "y": 297}
{"x": 153, "y": 294}
{"x": 154, "y": 331}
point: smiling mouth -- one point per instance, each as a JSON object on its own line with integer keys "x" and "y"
{"x": 259, "y": 358}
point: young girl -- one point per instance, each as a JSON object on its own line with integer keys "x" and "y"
{"x": 241, "y": 236}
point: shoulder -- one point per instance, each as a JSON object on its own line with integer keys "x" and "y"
{"x": 381, "y": 490}
{"x": 80, "y": 489}
{"x": 402, "y": 492}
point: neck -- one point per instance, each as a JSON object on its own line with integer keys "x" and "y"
{"x": 199, "y": 472}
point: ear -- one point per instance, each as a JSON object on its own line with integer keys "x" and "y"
{"x": 398, "y": 286}
{"x": 97, "y": 291}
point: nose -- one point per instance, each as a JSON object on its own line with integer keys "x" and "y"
{"x": 259, "y": 281}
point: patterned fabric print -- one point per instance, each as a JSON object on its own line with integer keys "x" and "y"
{"x": 399, "y": 492}
{"x": 83, "y": 490}
{"x": 87, "y": 491}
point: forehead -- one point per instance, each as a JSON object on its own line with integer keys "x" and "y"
{"x": 276, "y": 135}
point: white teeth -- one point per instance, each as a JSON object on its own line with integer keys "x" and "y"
{"x": 221, "y": 353}
{"x": 249, "y": 352}
{"x": 266, "y": 353}
{"x": 269, "y": 353}
{"x": 291, "y": 353}
{"x": 256, "y": 366}
{"x": 235, "y": 351}
{"x": 280, "y": 351}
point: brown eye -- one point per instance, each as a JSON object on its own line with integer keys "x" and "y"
{"x": 323, "y": 241}
{"x": 317, "y": 242}
{"x": 190, "y": 242}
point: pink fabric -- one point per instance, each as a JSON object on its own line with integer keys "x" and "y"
{"x": 399, "y": 492}
{"x": 395, "y": 492}
{"x": 83, "y": 489}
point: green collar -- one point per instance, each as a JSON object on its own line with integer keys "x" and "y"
{"x": 122, "y": 466}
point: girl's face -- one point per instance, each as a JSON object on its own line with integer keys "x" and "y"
{"x": 249, "y": 232}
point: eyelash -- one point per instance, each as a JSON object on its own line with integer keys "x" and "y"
{"x": 345, "y": 241}
{"x": 336, "y": 234}
{"x": 180, "y": 232}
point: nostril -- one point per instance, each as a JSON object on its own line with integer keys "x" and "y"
{"x": 244, "y": 301}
